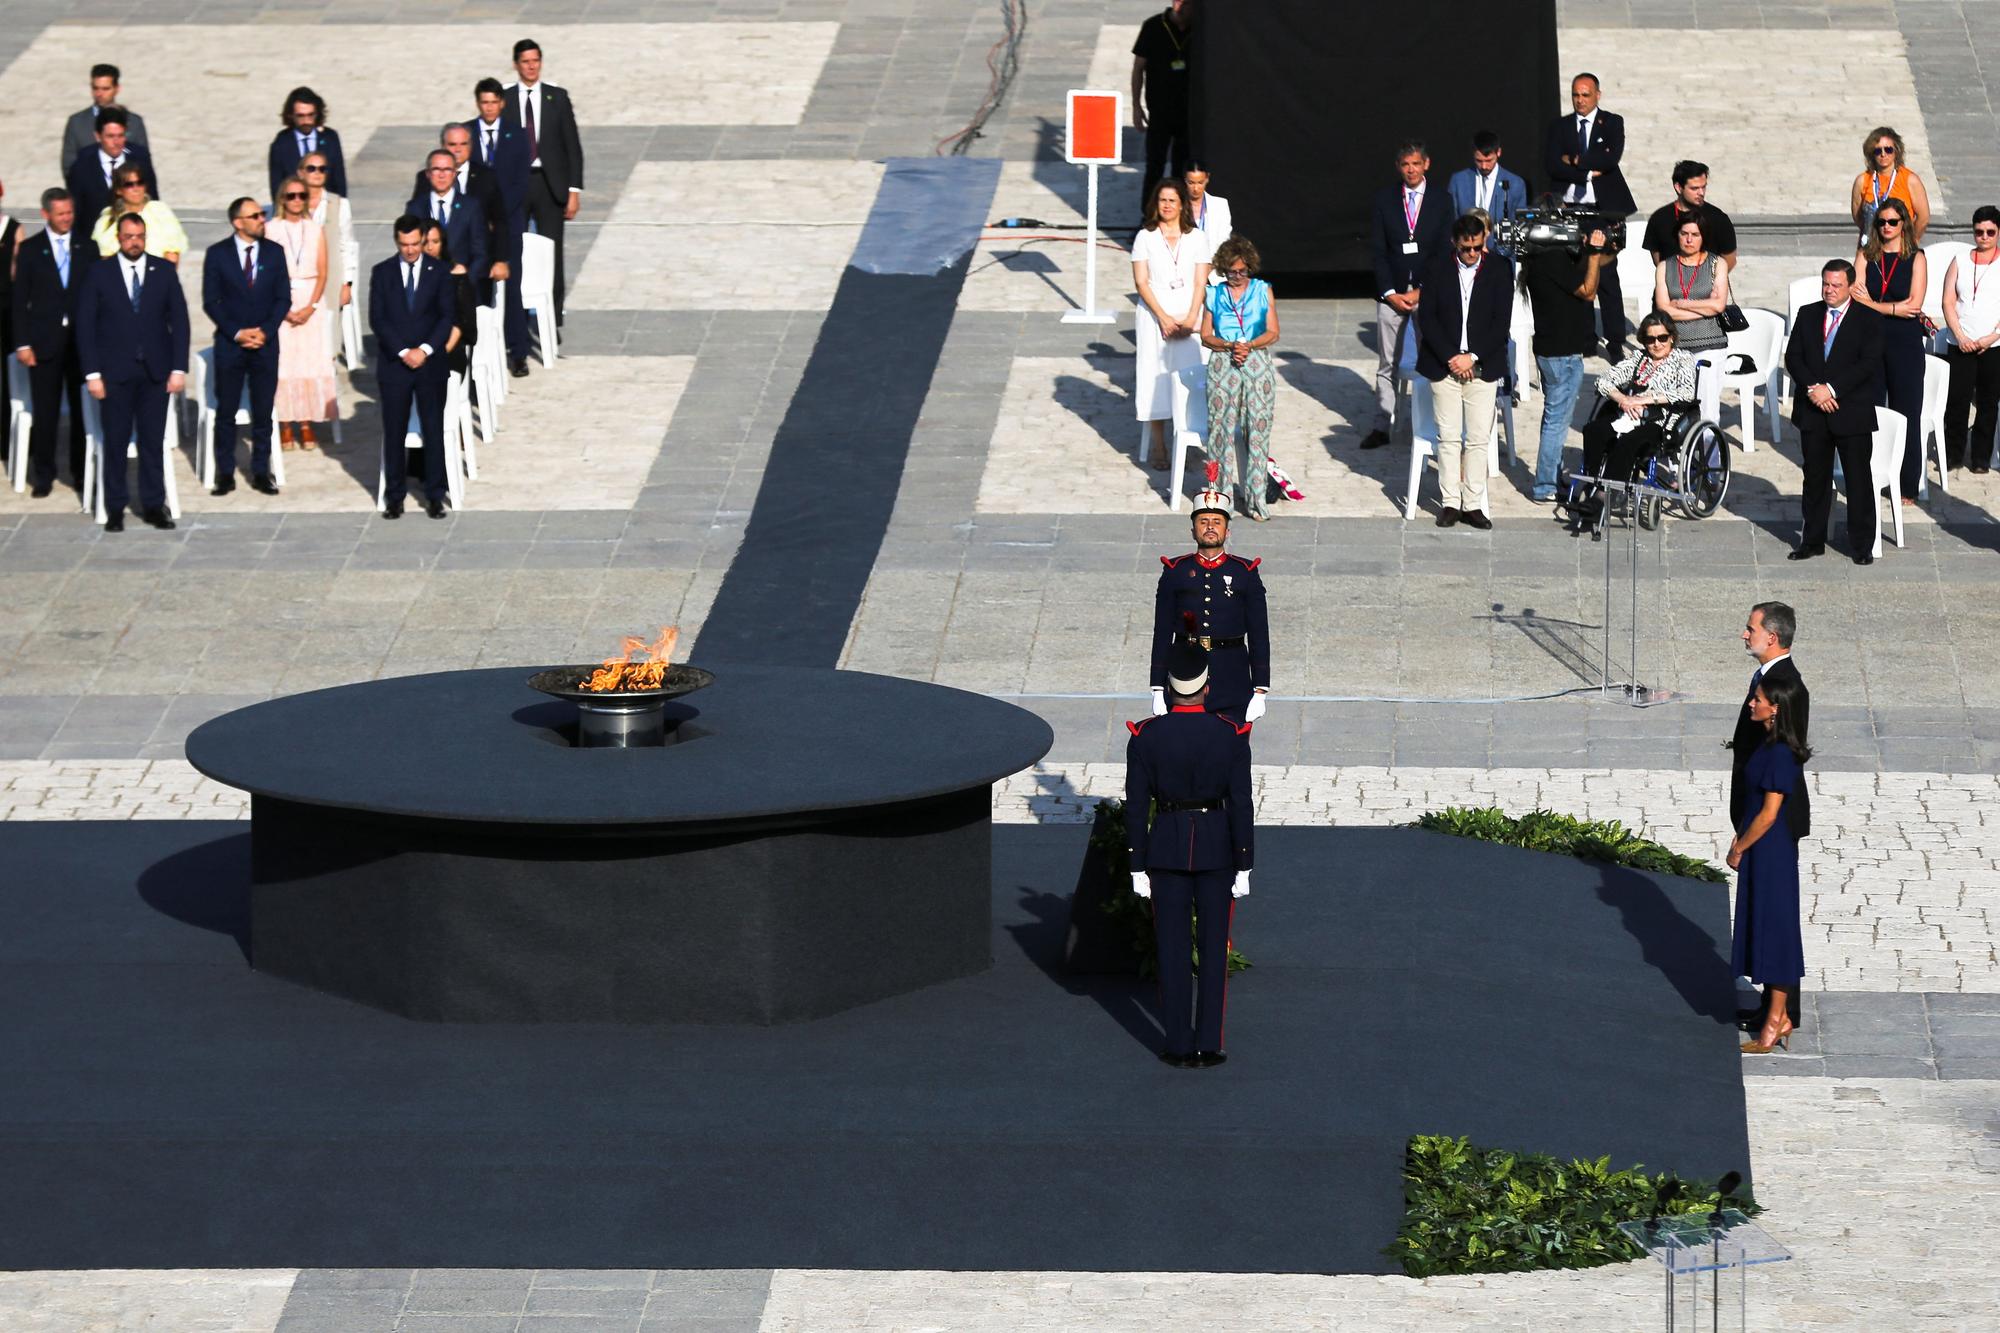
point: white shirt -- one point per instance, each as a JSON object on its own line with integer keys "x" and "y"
{"x": 1835, "y": 316}
{"x": 1467, "y": 274}
{"x": 1585, "y": 193}
{"x": 109, "y": 163}
{"x": 489, "y": 133}
{"x": 1483, "y": 184}
{"x": 246, "y": 255}
{"x": 1978, "y": 287}
{"x": 531, "y": 97}
{"x": 308, "y": 141}
{"x": 411, "y": 272}
{"x": 444, "y": 199}
{"x": 464, "y": 174}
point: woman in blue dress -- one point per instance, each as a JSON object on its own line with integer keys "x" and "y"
{"x": 1768, "y": 947}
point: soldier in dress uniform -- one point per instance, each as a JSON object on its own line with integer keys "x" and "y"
{"x": 1192, "y": 768}
{"x": 1216, "y": 601}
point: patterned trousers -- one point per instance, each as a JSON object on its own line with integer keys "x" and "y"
{"x": 1240, "y": 401}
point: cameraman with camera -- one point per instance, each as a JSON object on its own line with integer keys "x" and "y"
{"x": 1561, "y": 283}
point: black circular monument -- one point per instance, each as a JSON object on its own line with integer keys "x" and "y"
{"x": 442, "y": 847}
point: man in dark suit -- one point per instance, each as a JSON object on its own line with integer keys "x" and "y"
{"x": 48, "y": 276}
{"x": 80, "y": 133}
{"x": 1462, "y": 318}
{"x": 473, "y": 180}
{"x": 10, "y": 236}
{"x": 247, "y": 292}
{"x": 1192, "y": 768}
{"x": 457, "y": 211}
{"x": 132, "y": 342}
{"x": 306, "y": 131}
{"x": 410, "y": 308}
{"x": 1767, "y": 634}
{"x": 501, "y": 146}
{"x": 1410, "y": 227}
{"x": 90, "y": 172}
{"x": 544, "y": 113}
{"x": 1581, "y": 155}
{"x": 1835, "y": 359}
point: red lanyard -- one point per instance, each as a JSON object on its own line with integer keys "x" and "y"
{"x": 1686, "y": 283}
{"x": 1646, "y": 364}
{"x": 1236, "y": 311}
{"x": 1887, "y": 269}
{"x": 1412, "y": 207}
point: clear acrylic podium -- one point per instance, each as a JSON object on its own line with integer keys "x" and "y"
{"x": 1723, "y": 1247}
{"x": 1647, "y": 607}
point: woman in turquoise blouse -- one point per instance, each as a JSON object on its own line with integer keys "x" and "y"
{"x": 1239, "y": 323}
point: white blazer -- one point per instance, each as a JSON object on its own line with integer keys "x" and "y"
{"x": 1215, "y": 225}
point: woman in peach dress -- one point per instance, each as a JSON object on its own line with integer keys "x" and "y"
{"x": 305, "y": 358}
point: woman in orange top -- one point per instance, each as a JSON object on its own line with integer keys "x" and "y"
{"x": 1887, "y": 177}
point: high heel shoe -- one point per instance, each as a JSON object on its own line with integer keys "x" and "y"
{"x": 1760, "y": 1048}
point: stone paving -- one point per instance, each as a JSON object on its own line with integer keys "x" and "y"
{"x": 724, "y": 196}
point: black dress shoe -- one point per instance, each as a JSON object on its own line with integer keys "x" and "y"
{"x": 518, "y": 367}
{"x": 1864, "y": 559}
{"x": 1375, "y": 439}
{"x": 1805, "y": 552}
{"x": 263, "y": 485}
{"x": 1476, "y": 518}
{"x": 394, "y": 509}
{"x": 41, "y": 492}
{"x": 114, "y": 522}
{"x": 1208, "y": 1059}
{"x": 435, "y": 508}
{"x": 1177, "y": 1061}
{"x": 225, "y": 486}
{"x": 160, "y": 519}
{"x": 1447, "y": 516}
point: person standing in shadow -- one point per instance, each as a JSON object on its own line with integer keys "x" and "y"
{"x": 1767, "y": 945}
{"x": 1767, "y": 636}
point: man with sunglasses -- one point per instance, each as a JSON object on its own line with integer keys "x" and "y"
{"x": 246, "y": 290}
{"x": 1835, "y": 360}
{"x": 1690, "y": 200}
{"x": 1462, "y": 318}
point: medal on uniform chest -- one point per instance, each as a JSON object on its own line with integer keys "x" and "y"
{"x": 1228, "y": 579}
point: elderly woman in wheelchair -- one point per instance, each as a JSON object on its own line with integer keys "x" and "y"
{"x": 1647, "y": 428}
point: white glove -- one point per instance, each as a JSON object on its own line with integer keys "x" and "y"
{"x": 1256, "y": 708}
{"x": 1241, "y": 888}
{"x": 1159, "y": 701}
{"x": 1141, "y": 885}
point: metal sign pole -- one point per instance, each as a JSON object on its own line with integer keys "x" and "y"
{"x": 1089, "y": 314}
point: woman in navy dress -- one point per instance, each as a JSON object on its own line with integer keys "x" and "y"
{"x": 1768, "y": 947}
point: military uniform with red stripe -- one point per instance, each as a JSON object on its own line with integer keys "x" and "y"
{"x": 1216, "y": 601}
{"x": 1191, "y": 769}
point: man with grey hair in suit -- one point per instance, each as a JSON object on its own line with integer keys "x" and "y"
{"x": 80, "y": 132}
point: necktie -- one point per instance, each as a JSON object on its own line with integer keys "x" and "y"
{"x": 1582, "y": 134}
{"x": 305, "y": 143}
{"x": 1755, "y": 676}
{"x": 1832, "y": 325}
{"x": 437, "y": 207}
{"x": 489, "y": 145}
{"x": 112, "y": 170}
{"x": 410, "y": 287}
{"x": 62, "y": 262}
{"x": 138, "y": 287}
{"x": 249, "y": 269}
{"x": 528, "y": 111}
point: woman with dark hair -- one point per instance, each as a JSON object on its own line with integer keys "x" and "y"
{"x": 1170, "y": 265}
{"x": 1893, "y": 281}
{"x": 1767, "y": 945}
{"x": 1629, "y": 424}
{"x": 1972, "y": 319}
{"x": 1692, "y": 287}
{"x": 465, "y": 306}
{"x": 306, "y": 131}
{"x": 1207, "y": 213}
{"x": 1238, "y": 327}
{"x": 1885, "y": 176}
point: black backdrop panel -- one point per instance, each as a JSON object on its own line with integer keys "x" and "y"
{"x": 1302, "y": 102}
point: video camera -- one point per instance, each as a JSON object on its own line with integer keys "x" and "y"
{"x": 1559, "y": 227}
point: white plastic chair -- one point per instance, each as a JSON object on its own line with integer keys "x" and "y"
{"x": 1930, "y": 424}
{"x": 1764, "y": 344}
{"x": 1520, "y": 346}
{"x": 1886, "y": 464}
{"x": 538, "y": 290}
{"x": 1188, "y": 427}
{"x": 1635, "y": 280}
{"x": 413, "y": 438}
{"x": 350, "y": 314}
{"x": 201, "y": 389}
{"x": 1802, "y": 292}
{"x": 20, "y": 421}
{"x": 94, "y": 462}
{"x": 458, "y": 422}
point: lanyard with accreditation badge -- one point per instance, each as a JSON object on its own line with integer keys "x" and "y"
{"x": 1413, "y": 208}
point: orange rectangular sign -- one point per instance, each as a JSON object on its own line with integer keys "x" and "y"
{"x": 1091, "y": 130}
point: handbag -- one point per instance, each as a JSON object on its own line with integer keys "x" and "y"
{"x": 1732, "y": 319}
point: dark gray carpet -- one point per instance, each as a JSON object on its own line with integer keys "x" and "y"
{"x": 168, "y": 1107}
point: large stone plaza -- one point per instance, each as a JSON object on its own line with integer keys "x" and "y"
{"x": 736, "y": 148}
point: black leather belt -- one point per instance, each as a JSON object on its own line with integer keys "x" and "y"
{"x": 1178, "y": 807}
{"x": 1208, "y": 642}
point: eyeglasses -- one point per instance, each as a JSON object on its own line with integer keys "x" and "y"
{"x": 250, "y": 217}
{"x": 1472, "y": 249}
{"x": 1237, "y": 273}
{"x": 1655, "y": 339}
{"x": 316, "y": 170}
{"x": 132, "y": 185}
{"x": 1882, "y": 148}
{"x": 1884, "y": 223}
{"x": 293, "y": 194}
{"x": 1986, "y": 231}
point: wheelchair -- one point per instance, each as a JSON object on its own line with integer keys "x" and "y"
{"x": 1690, "y": 463}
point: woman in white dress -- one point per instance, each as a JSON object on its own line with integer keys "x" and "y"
{"x": 1207, "y": 213}
{"x": 1170, "y": 269}
{"x": 305, "y": 365}
{"x": 336, "y": 220}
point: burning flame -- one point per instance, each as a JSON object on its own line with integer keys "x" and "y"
{"x": 648, "y": 672}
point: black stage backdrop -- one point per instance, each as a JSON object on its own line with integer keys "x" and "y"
{"x": 1301, "y": 104}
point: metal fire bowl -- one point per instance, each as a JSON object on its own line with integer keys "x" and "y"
{"x": 566, "y": 682}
